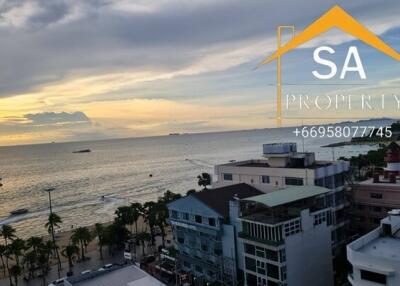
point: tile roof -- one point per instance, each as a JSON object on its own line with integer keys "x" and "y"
{"x": 218, "y": 198}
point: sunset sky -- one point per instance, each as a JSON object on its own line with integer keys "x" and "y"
{"x": 97, "y": 69}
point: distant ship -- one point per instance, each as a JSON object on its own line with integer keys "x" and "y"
{"x": 83, "y": 151}
{"x": 19, "y": 212}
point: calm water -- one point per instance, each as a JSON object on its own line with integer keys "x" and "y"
{"x": 119, "y": 170}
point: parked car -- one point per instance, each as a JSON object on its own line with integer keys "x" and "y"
{"x": 107, "y": 266}
{"x": 58, "y": 282}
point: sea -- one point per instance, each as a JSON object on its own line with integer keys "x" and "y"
{"x": 88, "y": 187}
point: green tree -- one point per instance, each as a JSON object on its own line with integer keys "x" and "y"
{"x": 137, "y": 210}
{"x": 204, "y": 180}
{"x": 17, "y": 247}
{"x": 15, "y": 271}
{"x": 54, "y": 221}
{"x": 43, "y": 258}
{"x": 69, "y": 251}
{"x": 125, "y": 216}
{"x": 81, "y": 236}
{"x": 99, "y": 233}
{"x": 142, "y": 238}
{"x": 150, "y": 217}
{"x": 8, "y": 234}
{"x": 3, "y": 250}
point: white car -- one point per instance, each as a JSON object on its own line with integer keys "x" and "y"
{"x": 58, "y": 282}
{"x": 107, "y": 266}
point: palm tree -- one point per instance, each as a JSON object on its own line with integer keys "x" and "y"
{"x": 3, "y": 250}
{"x": 99, "y": 233}
{"x": 143, "y": 237}
{"x": 125, "y": 216}
{"x": 17, "y": 246}
{"x": 137, "y": 210}
{"x": 43, "y": 258}
{"x": 34, "y": 242}
{"x": 161, "y": 219}
{"x": 69, "y": 251}
{"x": 150, "y": 216}
{"x": 81, "y": 236}
{"x": 8, "y": 233}
{"x": 15, "y": 271}
{"x": 54, "y": 221}
{"x": 30, "y": 259}
{"x": 170, "y": 197}
{"x": 204, "y": 180}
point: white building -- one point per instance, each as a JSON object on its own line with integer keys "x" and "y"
{"x": 115, "y": 276}
{"x": 283, "y": 166}
{"x": 285, "y": 238}
{"x": 375, "y": 257}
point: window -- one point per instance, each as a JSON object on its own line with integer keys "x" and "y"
{"x": 228, "y": 177}
{"x": 376, "y": 195}
{"x": 198, "y": 219}
{"x": 249, "y": 249}
{"x": 271, "y": 254}
{"x": 211, "y": 221}
{"x": 251, "y": 279}
{"x": 174, "y": 214}
{"x": 260, "y": 267}
{"x": 265, "y": 179}
{"x": 250, "y": 264}
{"x": 260, "y": 252}
{"x": 272, "y": 271}
{"x": 294, "y": 181}
{"x": 373, "y": 277}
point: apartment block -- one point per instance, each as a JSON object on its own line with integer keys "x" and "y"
{"x": 282, "y": 166}
{"x": 204, "y": 228}
{"x": 373, "y": 198}
{"x": 375, "y": 257}
{"x": 286, "y": 237}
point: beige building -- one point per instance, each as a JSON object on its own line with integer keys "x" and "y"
{"x": 282, "y": 166}
{"x": 372, "y": 199}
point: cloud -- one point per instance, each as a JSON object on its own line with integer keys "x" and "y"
{"x": 54, "y": 118}
{"x": 50, "y": 40}
{"x": 59, "y": 56}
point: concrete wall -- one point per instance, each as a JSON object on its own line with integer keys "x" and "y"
{"x": 309, "y": 255}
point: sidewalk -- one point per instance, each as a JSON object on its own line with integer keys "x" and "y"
{"x": 93, "y": 264}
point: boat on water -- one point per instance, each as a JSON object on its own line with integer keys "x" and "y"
{"x": 82, "y": 151}
{"x": 19, "y": 212}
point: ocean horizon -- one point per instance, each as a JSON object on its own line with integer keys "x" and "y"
{"x": 127, "y": 170}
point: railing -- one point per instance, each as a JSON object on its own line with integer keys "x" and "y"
{"x": 260, "y": 240}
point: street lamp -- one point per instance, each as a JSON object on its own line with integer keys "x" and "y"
{"x": 49, "y": 190}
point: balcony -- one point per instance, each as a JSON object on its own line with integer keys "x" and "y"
{"x": 244, "y": 235}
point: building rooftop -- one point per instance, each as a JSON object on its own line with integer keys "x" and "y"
{"x": 115, "y": 276}
{"x": 385, "y": 247}
{"x": 288, "y": 195}
{"x": 263, "y": 163}
{"x": 383, "y": 184}
{"x": 218, "y": 198}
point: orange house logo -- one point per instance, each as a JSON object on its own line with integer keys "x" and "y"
{"x": 334, "y": 18}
